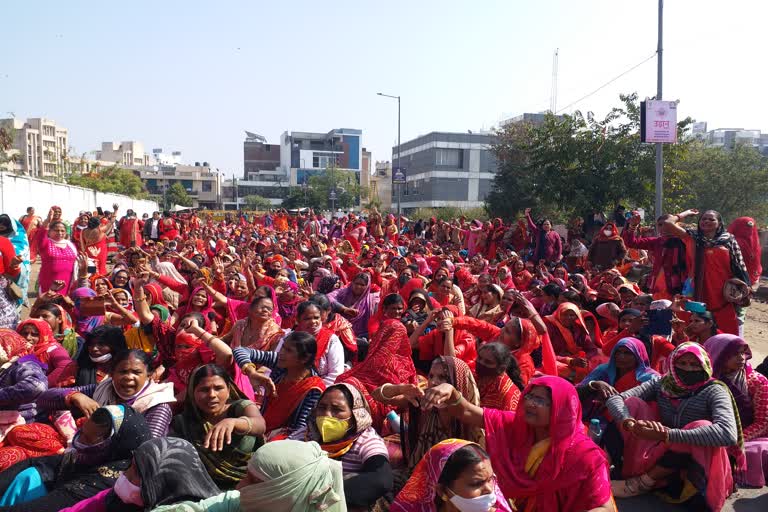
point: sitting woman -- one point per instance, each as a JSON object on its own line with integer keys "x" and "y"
{"x": 290, "y": 476}
{"x": 341, "y": 424}
{"x": 453, "y": 475}
{"x": 329, "y": 357}
{"x": 425, "y": 429}
{"x": 61, "y": 325}
{"x": 729, "y": 355}
{"x": 696, "y": 425}
{"x": 101, "y": 448}
{"x": 94, "y": 362}
{"x": 571, "y": 342}
{"x": 163, "y": 471}
{"x": 541, "y": 442}
{"x": 489, "y": 307}
{"x": 498, "y": 377}
{"x": 700, "y": 328}
{"x": 259, "y": 330}
{"x": 129, "y": 383}
{"x": 294, "y": 386}
{"x": 339, "y": 326}
{"x": 221, "y": 423}
{"x": 359, "y": 300}
{"x": 45, "y": 347}
{"x": 435, "y": 343}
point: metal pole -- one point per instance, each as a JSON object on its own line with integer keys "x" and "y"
{"x": 399, "y": 185}
{"x": 659, "y": 146}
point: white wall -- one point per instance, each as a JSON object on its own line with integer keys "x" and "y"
{"x": 19, "y": 192}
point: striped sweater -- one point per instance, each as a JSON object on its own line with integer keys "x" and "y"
{"x": 712, "y": 403}
{"x": 245, "y": 355}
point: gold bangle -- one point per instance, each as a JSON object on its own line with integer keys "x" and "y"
{"x": 383, "y": 387}
{"x": 246, "y": 366}
{"x": 250, "y": 424}
{"x": 139, "y": 299}
{"x": 458, "y": 400}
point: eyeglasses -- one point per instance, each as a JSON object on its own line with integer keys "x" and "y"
{"x": 537, "y": 400}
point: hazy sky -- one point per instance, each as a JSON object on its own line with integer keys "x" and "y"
{"x": 191, "y": 76}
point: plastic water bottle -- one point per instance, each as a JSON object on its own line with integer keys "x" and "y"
{"x": 595, "y": 430}
{"x": 394, "y": 422}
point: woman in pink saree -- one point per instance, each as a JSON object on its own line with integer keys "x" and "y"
{"x": 540, "y": 444}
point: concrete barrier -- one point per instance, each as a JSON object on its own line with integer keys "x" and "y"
{"x": 19, "y": 192}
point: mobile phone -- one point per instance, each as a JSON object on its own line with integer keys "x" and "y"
{"x": 91, "y": 269}
{"x": 100, "y": 210}
{"x": 92, "y": 306}
{"x": 695, "y": 307}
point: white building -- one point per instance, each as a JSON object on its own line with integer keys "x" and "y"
{"x": 39, "y": 147}
{"x": 127, "y": 153}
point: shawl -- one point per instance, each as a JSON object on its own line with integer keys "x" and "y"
{"x": 498, "y": 392}
{"x": 365, "y": 304}
{"x": 388, "y": 361}
{"x": 291, "y": 394}
{"x": 228, "y": 466}
{"x": 510, "y": 434}
{"x": 295, "y": 477}
{"x": 426, "y": 431}
{"x": 46, "y": 343}
{"x": 287, "y": 309}
{"x": 12, "y": 346}
{"x": 153, "y": 394}
{"x": 671, "y": 385}
{"x": 554, "y": 320}
{"x": 530, "y": 340}
{"x": 607, "y": 372}
{"x": 721, "y": 348}
{"x": 20, "y": 242}
{"x": 166, "y": 268}
{"x": 363, "y": 421}
{"x": 600, "y": 236}
{"x": 522, "y": 279}
{"x": 419, "y": 494}
{"x": 722, "y": 238}
{"x": 486, "y": 313}
{"x": 267, "y": 335}
{"x": 171, "y": 471}
{"x": 68, "y": 336}
{"x": 85, "y": 324}
{"x": 187, "y": 308}
{"x": 155, "y": 292}
{"x": 744, "y": 229}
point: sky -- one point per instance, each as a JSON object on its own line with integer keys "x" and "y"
{"x": 192, "y": 76}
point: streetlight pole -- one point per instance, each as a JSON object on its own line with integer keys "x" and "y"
{"x": 399, "y": 186}
{"x": 659, "y": 145}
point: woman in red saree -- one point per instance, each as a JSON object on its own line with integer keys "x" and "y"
{"x": 571, "y": 341}
{"x": 498, "y": 377}
{"x": 169, "y": 230}
{"x": 93, "y": 243}
{"x": 520, "y": 276}
{"x": 538, "y": 445}
{"x": 388, "y": 360}
{"x": 714, "y": 257}
{"x": 744, "y": 229}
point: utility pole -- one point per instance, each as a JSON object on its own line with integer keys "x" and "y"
{"x": 659, "y": 146}
{"x": 399, "y": 185}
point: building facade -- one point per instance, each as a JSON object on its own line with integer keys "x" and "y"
{"x": 380, "y": 186}
{"x": 259, "y": 157}
{"x": 201, "y": 183}
{"x": 126, "y": 153}
{"x": 445, "y": 169}
{"x": 729, "y": 138}
{"x": 39, "y": 147}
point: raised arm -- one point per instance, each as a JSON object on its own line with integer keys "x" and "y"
{"x": 672, "y": 228}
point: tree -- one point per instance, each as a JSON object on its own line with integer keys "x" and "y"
{"x": 317, "y": 193}
{"x": 111, "y": 180}
{"x": 256, "y": 202}
{"x": 573, "y": 164}
{"x": 732, "y": 181}
{"x": 176, "y": 194}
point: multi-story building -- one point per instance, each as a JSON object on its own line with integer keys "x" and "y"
{"x": 300, "y": 155}
{"x": 127, "y": 153}
{"x": 729, "y": 138}
{"x": 445, "y": 169}
{"x": 380, "y": 186}
{"x": 39, "y": 147}
{"x": 201, "y": 183}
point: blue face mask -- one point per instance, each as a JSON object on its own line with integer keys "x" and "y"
{"x": 478, "y": 504}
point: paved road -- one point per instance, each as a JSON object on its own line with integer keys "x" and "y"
{"x": 745, "y": 500}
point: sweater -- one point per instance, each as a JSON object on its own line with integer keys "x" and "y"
{"x": 20, "y": 386}
{"x": 712, "y": 403}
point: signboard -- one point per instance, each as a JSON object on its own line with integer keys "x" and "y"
{"x": 398, "y": 175}
{"x": 658, "y": 121}
{"x": 332, "y": 195}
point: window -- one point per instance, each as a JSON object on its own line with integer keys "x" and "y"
{"x": 207, "y": 186}
{"x": 447, "y": 157}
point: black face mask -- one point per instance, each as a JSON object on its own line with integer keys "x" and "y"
{"x": 485, "y": 371}
{"x": 403, "y": 279}
{"x": 689, "y": 378}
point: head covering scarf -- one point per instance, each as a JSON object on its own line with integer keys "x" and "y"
{"x": 420, "y": 493}
{"x": 12, "y": 346}
{"x": 363, "y": 421}
{"x": 720, "y": 349}
{"x": 295, "y": 477}
{"x": 567, "y": 334}
{"x": 166, "y": 268}
{"x": 607, "y": 372}
{"x": 170, "y": 472}
{"x": 68, "y": 336}
{"x": 46, "y": 342}
{"x": 535, "y": 488}
{"x": 722, "y": 238}
{"x": 671, "y": 385}
{"x": 364, "y": 304}
{"x": 601, "y": 237}
{"x": 18, "y": 238}
{"x": 744, "y": 229}
{"x": 205, "y": 310}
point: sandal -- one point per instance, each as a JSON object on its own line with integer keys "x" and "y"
{"x": 634, "y": 486}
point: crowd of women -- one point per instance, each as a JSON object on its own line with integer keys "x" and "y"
{"x": 291, "y": 362}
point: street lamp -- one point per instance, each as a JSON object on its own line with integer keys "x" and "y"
{"x": 399, "y": 186}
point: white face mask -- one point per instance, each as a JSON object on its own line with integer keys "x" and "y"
{"x": 101, "y": 359}
{"x": 478, "y": 504}
{"x": 128, "y": 492}
{"x": 607, "y": 232}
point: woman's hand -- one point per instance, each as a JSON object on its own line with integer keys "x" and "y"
{"x": 84, "y": 403}
{"x": 603, "y": 388}
{"x": 577, "y": 362}
{"x": 650, "y": 430}
{"x": 82, "y": 265}
{"x": 260, "y": 380}
{"x": 412, "y": 393}
{"x": 220, "y": 434}
{"x": 437, "y": 396}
